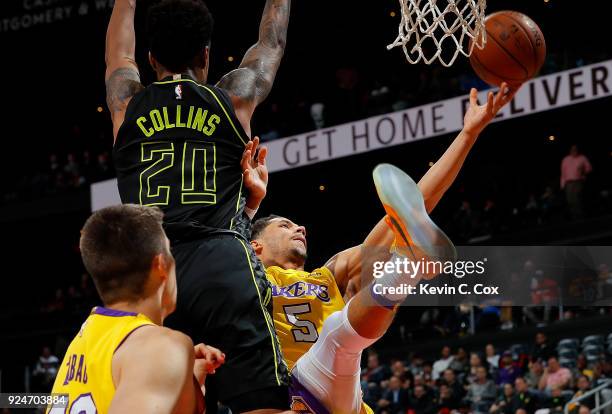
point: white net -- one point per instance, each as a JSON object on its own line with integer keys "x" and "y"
{"x": 428, "y": 24}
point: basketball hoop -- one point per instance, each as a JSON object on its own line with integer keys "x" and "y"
{"x": 426, "y": 26}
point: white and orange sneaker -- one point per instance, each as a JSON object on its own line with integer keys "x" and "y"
{"x": 416, "y": 235}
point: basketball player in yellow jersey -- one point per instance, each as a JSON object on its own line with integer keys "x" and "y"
{"x": 321, "y": 338}
{"x": 122, "y": 360}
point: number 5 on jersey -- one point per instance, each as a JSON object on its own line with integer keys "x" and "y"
{"x": 306, "y": 330}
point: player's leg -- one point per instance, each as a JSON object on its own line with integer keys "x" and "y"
{"x": 222, "y": 297}
{"x": 417, "y": 238}
{"x": 330, "y": 370}
{"x": 327, "y": 377}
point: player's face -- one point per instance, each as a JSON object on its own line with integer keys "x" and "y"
{"x": 285, "y": 238}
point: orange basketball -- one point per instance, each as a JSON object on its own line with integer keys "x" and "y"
{"x": 515, "y": 50}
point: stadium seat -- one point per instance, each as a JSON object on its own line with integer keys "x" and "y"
{"x": 609, "y": 349}
{"x": 571, "y": 343}
{"x": 591, "y": 359}
{"x": 609, "y": 339}
{"x": 593, "y": 349}
{"x": 593, "y": 340}
{"x": 567, "y": 363}
{"x": 568, "y": 353}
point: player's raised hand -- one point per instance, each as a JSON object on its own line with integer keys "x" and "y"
{"x": 255, "y": 172}
{"x": 477, "y": 117}
{"x": 207, "y": 360}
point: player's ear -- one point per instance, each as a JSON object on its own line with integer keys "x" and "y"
{"x": 206, "y": 57}
{"x": 257, "y": 246}
{"x": 153, "y": 62}
{"x": 159, "y": 266}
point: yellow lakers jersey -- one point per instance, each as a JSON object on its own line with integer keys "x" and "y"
{"x": 302, "y": 301}
{"x": 85, "y": 374}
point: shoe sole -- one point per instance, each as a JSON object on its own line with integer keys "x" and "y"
{"x": 405, "y": 207}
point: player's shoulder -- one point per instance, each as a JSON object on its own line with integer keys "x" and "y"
{"x": 154, "y": 338}
{"x": 322, "y": 272}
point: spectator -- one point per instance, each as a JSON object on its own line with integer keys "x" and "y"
{"x": 574, "y": 169}
{"x": 584, "y": 386}
{"x": 395, "y": 399}
{"x": 416, "y": 365}
{"x": 584, "y": 409}
{"x": 554, "y": 404}
{"x": 428, "y": 375}
{"x": 504, "y": 401}
{"x": 604, "y": 281}
{"x": 545, "y": 291}
{"x": 446, "y": 401}
{"x": 317, "y": 112}
{"x": 46, "y": 370}
{"x": 508, "y": 370}
{"x": 492, "y": 356}
{"x": 421, "y": 402}
{"x": 523, "y": 398}
{"x": 440, "y": 365}
{"x": 72, "y": 171}
{"x": 371, "y": 393}
{"x": 536, "y": 370}
{"x": 450, "y": 379}
{"x": 476, "y": 361}
{"x": 481, "y": 393}
{"x": 460, "y": 361}
{"x": 555, "y": 376}
{"x": 374, "y": 371}
{"x": 399, "y": 370}
{"x": 582, "y": 367}
{"x": 542, "y": 349}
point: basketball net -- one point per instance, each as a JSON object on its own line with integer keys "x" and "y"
{"x": 425, "y": 28}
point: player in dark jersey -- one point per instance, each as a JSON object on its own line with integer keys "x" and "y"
{"x": 178, "y": 146}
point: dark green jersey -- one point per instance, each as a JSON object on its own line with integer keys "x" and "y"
{"x": 179, "y": 148}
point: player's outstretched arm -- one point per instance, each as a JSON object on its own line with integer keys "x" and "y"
{"x": 255, "y": 175}
{"x": 153, "y": 371}
{"x": 346, "y": 266}
{"x": 122, "y": 77}
{"x": 251, "y": 83}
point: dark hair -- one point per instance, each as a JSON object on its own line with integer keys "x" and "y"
{"x": 178, "y": 31}
{"x": 260, "y": 225}
{"x": 118, "y": 245}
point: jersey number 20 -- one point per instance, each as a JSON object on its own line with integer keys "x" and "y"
{"x": 198, "y": 171}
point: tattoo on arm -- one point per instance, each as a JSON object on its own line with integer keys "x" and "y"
{"x": 121, "y": 85}
{"x": 253, "y": 80}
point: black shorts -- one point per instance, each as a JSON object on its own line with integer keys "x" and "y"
{"x": 224, "y": 300}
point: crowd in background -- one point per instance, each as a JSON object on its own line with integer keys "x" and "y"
{"x": 525, "y": 379}
{"x": 540, "y": 378}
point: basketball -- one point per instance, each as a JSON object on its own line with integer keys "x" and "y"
{"x": 514, "y": 52}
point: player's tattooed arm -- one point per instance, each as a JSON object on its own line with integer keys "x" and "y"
{"x": 122, "y": 78}
{"x": 252, "y": 82}
{"x": 121, "y": 85}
